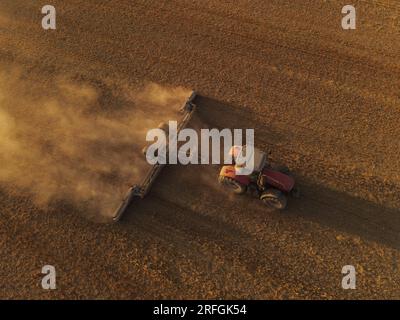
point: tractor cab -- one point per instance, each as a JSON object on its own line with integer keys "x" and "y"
{"x": 239, "y": 154}
{"x": 271, "y": 185}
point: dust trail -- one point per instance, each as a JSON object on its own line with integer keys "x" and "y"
{"x": 63, "y": 140}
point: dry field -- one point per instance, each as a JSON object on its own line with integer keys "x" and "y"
{"x": 324, "y": 100}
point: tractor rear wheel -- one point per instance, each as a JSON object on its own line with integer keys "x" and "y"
{"x": 274, "y": 199}
{"x": 232, "y": 184}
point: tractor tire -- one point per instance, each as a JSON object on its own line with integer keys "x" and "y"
{"x": 232, "y": 184}
{"x": 274, "y": 199}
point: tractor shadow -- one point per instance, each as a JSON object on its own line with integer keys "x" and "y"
{"x": 320, "y": 204}
{"x": 345, "y": 213}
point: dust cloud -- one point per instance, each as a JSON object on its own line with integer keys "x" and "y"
{"x": 63, "y": 140}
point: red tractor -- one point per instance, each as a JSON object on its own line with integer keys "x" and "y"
{"x": 272, "y": 185}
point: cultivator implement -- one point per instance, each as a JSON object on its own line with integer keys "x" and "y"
{"x": 141, "y": 190}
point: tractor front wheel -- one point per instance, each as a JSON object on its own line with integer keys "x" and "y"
{"x": 274, "y": 199}
{"x": 232, "y": 184}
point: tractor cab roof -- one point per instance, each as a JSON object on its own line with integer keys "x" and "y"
{"x": 260, "y": 157}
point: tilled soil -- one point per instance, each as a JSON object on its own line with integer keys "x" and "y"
{"x": 325, "y": 102}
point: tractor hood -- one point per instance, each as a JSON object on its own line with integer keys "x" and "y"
{"x": 279, "y": 180}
